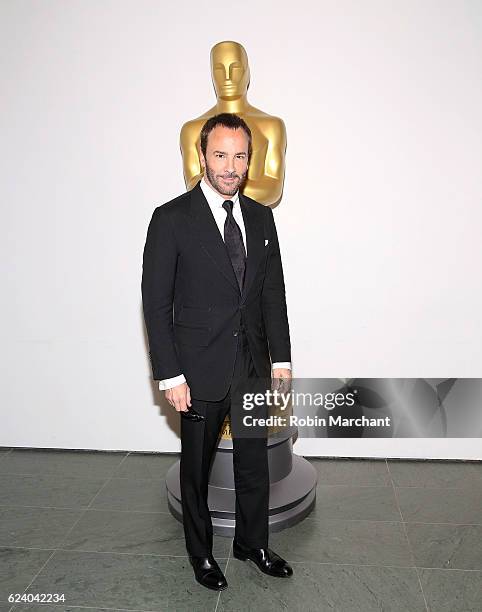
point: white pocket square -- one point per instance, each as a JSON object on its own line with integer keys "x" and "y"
{"x": 266, "y": 242}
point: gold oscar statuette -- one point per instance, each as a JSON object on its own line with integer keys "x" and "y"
{"x": 230, "y": 74}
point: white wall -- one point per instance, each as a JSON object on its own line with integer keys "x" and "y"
{"x": 379, "y": 224}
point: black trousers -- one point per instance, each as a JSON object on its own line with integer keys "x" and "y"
{"x": 199, "y": 442}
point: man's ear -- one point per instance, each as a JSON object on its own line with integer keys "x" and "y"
{"x": 202, "y": 161}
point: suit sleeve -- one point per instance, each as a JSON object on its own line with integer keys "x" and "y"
{"x": 158, "y": 278}
{"x": 273, "y": 299}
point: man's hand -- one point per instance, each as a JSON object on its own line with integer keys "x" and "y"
{"x": 179, "y": 397}
{"x": 281, "y": 373}
{"x": 281, "y": 379}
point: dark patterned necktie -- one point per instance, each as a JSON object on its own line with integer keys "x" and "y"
{"x": 233, "y": 239}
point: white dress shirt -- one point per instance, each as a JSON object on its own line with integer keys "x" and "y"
{"x": 215, "y": 201}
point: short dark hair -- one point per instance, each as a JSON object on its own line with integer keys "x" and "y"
{"x": 229, "y": 120}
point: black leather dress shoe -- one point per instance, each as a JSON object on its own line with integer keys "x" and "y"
{"x": 208, "y": 573}
{"x": 267, "y": 560}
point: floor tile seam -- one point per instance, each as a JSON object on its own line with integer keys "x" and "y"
{"x": 100, "y": 552}
{"x": 82, "y": 477}
{"x": 82, "y": 508}
{"x": 407, "y": 522}
{"x": 409, "y": 545}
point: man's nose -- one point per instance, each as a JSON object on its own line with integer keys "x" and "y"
{"x": 229, "y": 164}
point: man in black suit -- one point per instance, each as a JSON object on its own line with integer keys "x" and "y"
{"x": 215, "y": 312}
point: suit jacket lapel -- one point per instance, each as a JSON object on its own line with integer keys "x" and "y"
{"x": 253, "y": 223}
{"x": 205, "y": 228}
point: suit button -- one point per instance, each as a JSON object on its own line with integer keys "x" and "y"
{"x": 235, "y": 332}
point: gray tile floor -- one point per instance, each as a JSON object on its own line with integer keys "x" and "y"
{"x": 385, "y": 535}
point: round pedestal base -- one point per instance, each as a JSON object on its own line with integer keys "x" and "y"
{"x": 292, "y": 489}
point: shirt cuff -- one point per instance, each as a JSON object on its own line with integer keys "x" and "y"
{"x": 169, "y": 383}
{"x": 281, "y": 364}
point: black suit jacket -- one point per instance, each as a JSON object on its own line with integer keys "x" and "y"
{"x": 192, "y": 305}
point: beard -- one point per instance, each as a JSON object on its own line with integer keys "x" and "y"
{"x": 223, "y": 188}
